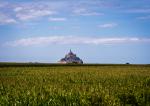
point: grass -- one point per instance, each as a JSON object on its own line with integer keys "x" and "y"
{"x": 71, "y": 85}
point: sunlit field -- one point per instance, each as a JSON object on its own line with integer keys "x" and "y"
{"x": 71, "y": 85}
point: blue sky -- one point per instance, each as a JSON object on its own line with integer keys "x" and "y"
{"x": 98, "y": 31}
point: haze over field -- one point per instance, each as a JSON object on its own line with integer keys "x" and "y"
{"x": 98, "y": 31}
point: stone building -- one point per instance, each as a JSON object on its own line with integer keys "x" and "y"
{"x": 71, "y": 58}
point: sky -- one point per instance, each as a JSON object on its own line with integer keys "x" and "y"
{"x": 97, "y": 31}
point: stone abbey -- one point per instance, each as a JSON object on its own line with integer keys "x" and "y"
{"x": 71, "y": 58}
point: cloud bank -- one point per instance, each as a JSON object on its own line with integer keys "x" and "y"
{"x": 74, "y": 40}
{"x": 57, "y": 19}
{"x": 108, "y": 25}
{"x": 17, "y": 12}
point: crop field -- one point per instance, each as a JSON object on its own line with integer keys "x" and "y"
{"x": 74, "y": 85}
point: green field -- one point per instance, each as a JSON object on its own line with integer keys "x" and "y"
{"x": 75, "y": 85}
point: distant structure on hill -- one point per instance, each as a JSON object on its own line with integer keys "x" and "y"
{"x": 71, "y": 58}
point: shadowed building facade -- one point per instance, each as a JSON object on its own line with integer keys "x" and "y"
{"x": 71, "y": 58}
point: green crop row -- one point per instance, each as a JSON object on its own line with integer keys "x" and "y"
{"x": 100, "y": 85}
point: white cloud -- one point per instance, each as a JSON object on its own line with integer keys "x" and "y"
{"x": 85, "y": 12}
{"x": 27, "y": 10}
{"x": 57, "y": 19}
{"x": 73, "y": 40}
{"x": 108, "y": 25}
{"x": 4, "y": 19}
{"x": 91, "y": 14}
{"x": 28, "y": 14}
{"x": 17, "y": 9}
